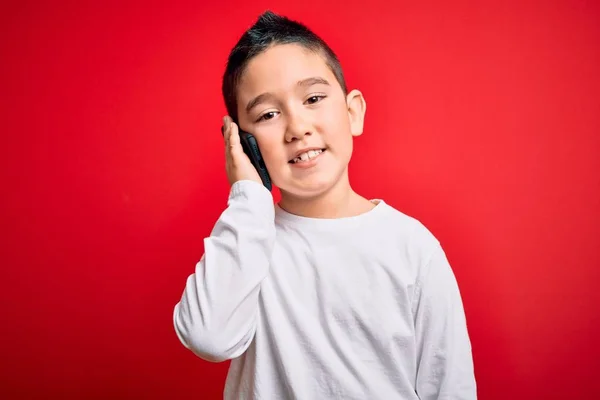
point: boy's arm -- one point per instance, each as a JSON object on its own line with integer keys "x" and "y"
{"x": 216, "y": 317}
{"x": 444, "y": 358}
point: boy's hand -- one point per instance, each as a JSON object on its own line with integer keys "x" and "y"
{"x": 237, "y": 163}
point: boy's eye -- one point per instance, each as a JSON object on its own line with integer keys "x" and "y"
{"x": 267, "y": 116}
{"x": 315, "y": 99}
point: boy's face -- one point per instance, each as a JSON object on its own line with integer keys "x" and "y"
{"x": 290, "y": 100}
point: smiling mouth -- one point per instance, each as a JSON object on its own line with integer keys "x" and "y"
{"x": 306, "y": 156}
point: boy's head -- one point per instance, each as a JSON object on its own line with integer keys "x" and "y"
{"x": 285, "y": 85}
{"x": 270, "y": 30}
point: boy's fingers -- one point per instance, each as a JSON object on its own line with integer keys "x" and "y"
{"x": 234, "y": 137}
{"x": 225, "y": 128}
{"x": 237, "y": 164}
{"x": 233, "y": 146}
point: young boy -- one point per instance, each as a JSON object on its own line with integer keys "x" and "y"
{"x": 325, "y": 295}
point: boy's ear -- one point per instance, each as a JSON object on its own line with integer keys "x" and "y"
{"x": 356, "y": 111}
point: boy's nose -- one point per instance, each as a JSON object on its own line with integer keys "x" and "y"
{"x": 297, "y": 129}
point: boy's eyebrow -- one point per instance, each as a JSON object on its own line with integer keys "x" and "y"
{"x": 315, "y": 80}
{"x": 257, "y": 100}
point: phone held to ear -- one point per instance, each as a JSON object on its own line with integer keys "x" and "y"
{"x": 250, "y": 146}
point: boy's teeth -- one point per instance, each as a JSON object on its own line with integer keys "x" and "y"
{"x": 307, "y": 155}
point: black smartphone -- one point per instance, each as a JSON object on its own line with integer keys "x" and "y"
{"x": 250, "y": 146}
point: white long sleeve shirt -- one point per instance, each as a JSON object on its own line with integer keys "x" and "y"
{"x": 364, "y": 307}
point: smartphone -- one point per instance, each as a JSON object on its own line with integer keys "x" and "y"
{"x": 250, "y": 146}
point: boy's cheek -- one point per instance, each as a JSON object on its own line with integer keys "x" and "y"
{"x": 273, "y": 159}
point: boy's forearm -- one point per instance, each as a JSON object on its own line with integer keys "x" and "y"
{"x": 216, "y": 316}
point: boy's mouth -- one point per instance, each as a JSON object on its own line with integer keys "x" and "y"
{"x": 306, "y": 156}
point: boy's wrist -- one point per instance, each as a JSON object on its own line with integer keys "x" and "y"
{"x": 243, "y": 186}
{"x": 250, "y": 191}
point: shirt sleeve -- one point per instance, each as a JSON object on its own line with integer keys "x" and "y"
{"x": 216, "y": 316}
{"x": 444, "y": 356}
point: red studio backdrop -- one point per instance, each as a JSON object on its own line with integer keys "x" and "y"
{"x": 482, "y": 121}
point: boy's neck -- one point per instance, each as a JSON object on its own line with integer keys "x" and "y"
{"x": 339, "y": 202}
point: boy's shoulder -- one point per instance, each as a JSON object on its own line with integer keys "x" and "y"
{"x": 406, "y": 230}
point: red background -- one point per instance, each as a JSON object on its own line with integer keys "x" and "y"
{"x": 482, "y": 121}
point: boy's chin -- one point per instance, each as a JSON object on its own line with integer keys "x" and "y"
{"x": 308, "y": 189}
